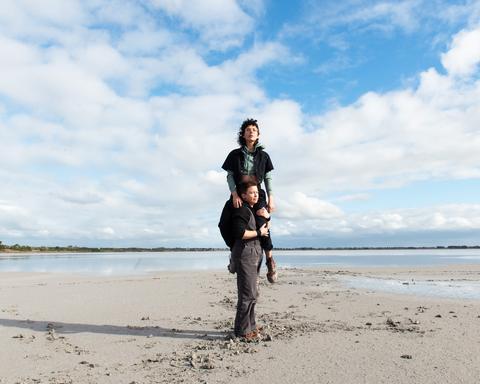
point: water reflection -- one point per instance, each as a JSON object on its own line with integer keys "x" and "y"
{"x": 145, "y": 262}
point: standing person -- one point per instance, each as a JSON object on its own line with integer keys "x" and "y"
{"x": 250, "y": 163}
{"x": 247, "y": 258}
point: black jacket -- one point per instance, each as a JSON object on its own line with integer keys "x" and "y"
{"x": 233, "y": 222}
{"x": 235, "y": 159}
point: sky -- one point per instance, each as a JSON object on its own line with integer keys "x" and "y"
{"x": 116, "y": 116}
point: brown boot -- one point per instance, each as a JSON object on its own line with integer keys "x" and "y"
{"x": 272, "y": 270}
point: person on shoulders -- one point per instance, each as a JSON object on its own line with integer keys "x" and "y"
{"x": 251, "y": 163}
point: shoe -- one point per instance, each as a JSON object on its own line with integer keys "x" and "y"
{"x": 272, "y": 276}
{"x": 231, "y": 265}
{"x": 251, "y": 336}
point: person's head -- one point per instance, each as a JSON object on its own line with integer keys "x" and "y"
{"x": 248, "y": 130}
{"x": 248, "y": 192}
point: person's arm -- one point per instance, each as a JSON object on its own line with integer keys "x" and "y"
{"x": 239, "y": 226}
{"x": 229, "y": 166}
{"x": 237, "y": 201}
{"x": 262, "y": 231}
{"x": 269, "y": 187}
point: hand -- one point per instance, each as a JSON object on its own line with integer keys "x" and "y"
{"x": 263, "y": 213}
{"x": 264, "y": 230}
{"x": 271, "y": 204}
{"x": 237, "y": 201}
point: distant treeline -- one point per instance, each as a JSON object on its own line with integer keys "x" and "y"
{"x": 72, "y": 248}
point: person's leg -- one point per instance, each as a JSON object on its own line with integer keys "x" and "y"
{"x": 246, "y": 266}
{"x": 266, "y": 241}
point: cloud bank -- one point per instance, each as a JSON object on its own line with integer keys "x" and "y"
{"x": 116, "y": 117}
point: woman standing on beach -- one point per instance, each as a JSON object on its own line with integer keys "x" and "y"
{"x": 250, "y": 163}
{"x": 247, "y": 259}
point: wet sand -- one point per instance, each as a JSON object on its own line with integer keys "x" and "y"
{"x": 173, "y": 327}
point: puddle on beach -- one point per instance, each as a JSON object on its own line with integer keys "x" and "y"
{"x": 438, "y": 288}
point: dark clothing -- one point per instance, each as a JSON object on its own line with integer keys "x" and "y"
{"x": 228, "y": 229}
{"x": 234, "y": 163}
{"x": 265, "y": 241}
{"x": 235, "y": 159}
{"x": 247, "y": 256}
{"x": 225, "y": 224}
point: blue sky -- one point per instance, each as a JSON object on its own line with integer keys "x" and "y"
{"x": 115, "y": 117}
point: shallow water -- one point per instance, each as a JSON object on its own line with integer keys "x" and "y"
{"x": 447, "y": 289}
{"x": 131, "y": 263}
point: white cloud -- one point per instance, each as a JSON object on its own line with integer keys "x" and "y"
{"x": 301, "y": 206}
{"x": 354, "y": 197}
{"x": 221, "y": 23}
{"x": 445, "y": 218}
{"x": 121, "y": 136}
{"x": 215, "y": 177}
{"x": 390, "y": 139}
{"x": 334, "y": 22}
{"x": 463, "y": 57}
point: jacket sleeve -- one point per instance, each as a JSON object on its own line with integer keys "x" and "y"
{"x": 268, "y": 163}
{"x": 228, "y": 164}
{"x": 240, "y": 220}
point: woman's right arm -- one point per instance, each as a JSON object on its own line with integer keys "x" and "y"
{"x": 262, "y": 231}
{"x": 237, "y": 201}
{"x": 239, "y": 226}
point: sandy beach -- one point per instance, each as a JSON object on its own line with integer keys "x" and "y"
{"x": 172, "y": 327}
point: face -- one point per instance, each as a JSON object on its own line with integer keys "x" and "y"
{"x": 251, "y": 196}
{"x": 251, "y": 134}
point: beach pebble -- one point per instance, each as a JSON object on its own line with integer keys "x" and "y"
{"x": 90, "y": 365}
{"x": 391, "y": 323}
{"x": 19, "y": 336}
{"x": 439, "y": 316}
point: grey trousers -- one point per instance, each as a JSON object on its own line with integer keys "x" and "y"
{"x": 247, "y": 262}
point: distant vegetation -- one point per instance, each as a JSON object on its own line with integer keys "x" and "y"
{"x": 71, "y": 248}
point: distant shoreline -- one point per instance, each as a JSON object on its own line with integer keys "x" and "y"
{"x": 71, "y": 249}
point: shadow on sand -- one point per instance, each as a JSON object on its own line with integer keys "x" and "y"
{"x": 155, "y": 331}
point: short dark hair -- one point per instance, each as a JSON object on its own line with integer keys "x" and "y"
{"x": 242, "y": 188}
{"x": 241, "y": 131}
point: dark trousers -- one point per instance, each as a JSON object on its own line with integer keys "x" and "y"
{"x": 265, "y": 241}
{"x": 247, "y": 262}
